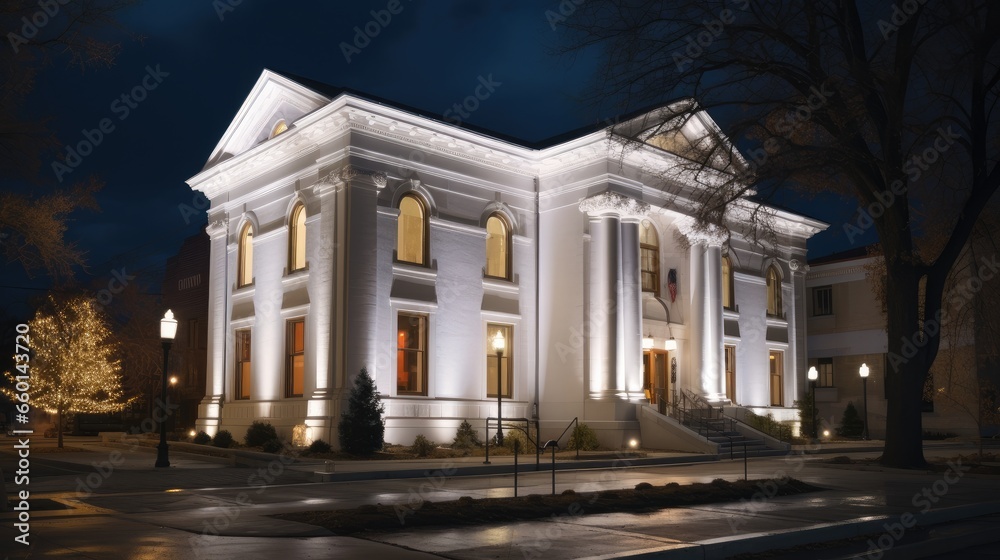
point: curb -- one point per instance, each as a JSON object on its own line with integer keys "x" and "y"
{"x": 725, "y": 547}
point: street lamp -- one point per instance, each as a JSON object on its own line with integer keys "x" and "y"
{"x": 168, "y": 328}
{"x": 498, "y": 346}
{"x": 813, "y": 376}
{"x": 173, "y": 393}
{"x": 863, "y": 372}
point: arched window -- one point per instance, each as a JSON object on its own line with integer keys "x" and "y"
{"x": 245, "y": 268}
{"x": 773, "y": 292}
{"x": 297, "y": 239}
{"x": 649, "y": 257}
{"x": 411, "y": 239}
{"x": 279, "y": 127}
{"x": 497, "y": 247}
{"x": 727, "y": 283}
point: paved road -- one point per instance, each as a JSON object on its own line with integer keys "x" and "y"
{"x": 199, "y": 509}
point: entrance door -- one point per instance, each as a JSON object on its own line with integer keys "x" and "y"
{"x": 655, "y": 380}
{"x": 777, "y": 378}
{"x": 731, "y": 373}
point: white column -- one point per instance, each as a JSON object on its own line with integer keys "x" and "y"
{"x": 712, "y": 362}
{"x": 697, "y": 331}
{"x": 631, "y": 308}
{"x": 210, "y": 408}
{"x": 604, "y": 305}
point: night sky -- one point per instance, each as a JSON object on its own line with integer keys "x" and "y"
{"x": 209, "y": 54}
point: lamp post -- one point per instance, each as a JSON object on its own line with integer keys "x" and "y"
{"x": 498, "y": 347}
{"x": 813, "y": 376}
{"x": 168, "y": 328}
{"x": 173, "y": 393}
{"x": 863, "y": 372}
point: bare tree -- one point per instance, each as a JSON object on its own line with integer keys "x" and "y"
{"x": 891, "y": 106}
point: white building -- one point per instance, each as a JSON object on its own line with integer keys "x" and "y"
{"x": 349, "y": 233}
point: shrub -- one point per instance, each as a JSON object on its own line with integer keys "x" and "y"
{"x": 583, "y": 438}
{"x": 422, "y": 446}
{"x": 806, "y": 408}
{"x": 361, "y": 429}
{"x": 273, "y": 446}
{"x": 643, "y": 486}
{"x": 223, "y": 439}
{"x": 511, "y": 435}
{"x": 319, "y": 446}
{"x": 851, "y": 424}
{"x": 202, "y": 438}
{"x": 259, "y": 433}
{"x": 466, "y": 437}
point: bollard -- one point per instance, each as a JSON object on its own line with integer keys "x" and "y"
{"x": 553, "y": 444}
{"x": 517, "y": 448}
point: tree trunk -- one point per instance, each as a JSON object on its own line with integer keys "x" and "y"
{"x": 59, "y": 426}
{"x": 906, "y": 371}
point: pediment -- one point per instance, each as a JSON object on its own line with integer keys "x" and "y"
{"x": 273, "y": 100}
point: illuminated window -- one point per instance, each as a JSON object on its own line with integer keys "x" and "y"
{"x": 773, "y": 292}
{"x": 411, "y": 238}
{"x": 242, "y": 390}
{"x": 295, "y": 360}
{"x": 727, "y": 283}
{"x": 245, "y": 271}
{"x": 279, "y": 127}
{"x": 497, "y": 248}
{"x": 506, "y": 378}
{"x": 825, "y": 368}
{"x": 649, "y": 256}
{"x": 297, "y": 239}
{"x": 411, "y": 354}
{"x": 822, "y": 300}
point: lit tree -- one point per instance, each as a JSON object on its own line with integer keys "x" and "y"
{"x": 73, "y": 365}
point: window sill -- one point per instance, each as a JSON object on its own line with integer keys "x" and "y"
{"x": 411, "y": 270}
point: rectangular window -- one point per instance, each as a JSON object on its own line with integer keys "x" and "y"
{"x": 822, "y": 300}
{"x": 411, "y": 354}
{"x": 295, "y": 359}
{"x": 506, "y": 379}
{"x": 825, "y": 369}
{"x": 192, "y": 334}
{"x": 243, "y": 364}
{"x": 777, "y": 378}
{"x": 730, "y": 353}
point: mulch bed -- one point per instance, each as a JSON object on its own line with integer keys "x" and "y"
{"x": 469, "y": 511}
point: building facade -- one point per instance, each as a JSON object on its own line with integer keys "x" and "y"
{"x": 347, "y": 233}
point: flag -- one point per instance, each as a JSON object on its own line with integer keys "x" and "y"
{"x": 672, "y": 284}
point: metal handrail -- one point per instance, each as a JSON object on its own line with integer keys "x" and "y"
{"x": 527, "y": 434}
{"x": 575, "y": 421}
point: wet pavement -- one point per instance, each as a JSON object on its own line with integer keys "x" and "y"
{"x": 206, "y": 508}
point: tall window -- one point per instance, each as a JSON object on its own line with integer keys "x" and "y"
{"x": 411, "y": 354}
{"x": 727, "y": 283}
{"x": 822, "y": 300}
{"x": 777, "y": 378}
{"x": 297, "y": 239}
{"x": 730, "y": 352}
{"x": 497, "y": 247}
{"x": 245, "y": 266}
{"x": 825, "y": 368}
{"x": 242, "y": 389}
{"x": 295, "y": 359}
{"x": 506, "y": 379}
{"x": 773, "y": 292}
{"x": 411, "y": 238}
{"x": 649, "y": 257}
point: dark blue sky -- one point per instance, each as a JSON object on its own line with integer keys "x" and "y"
{"x": 429, "y": 56}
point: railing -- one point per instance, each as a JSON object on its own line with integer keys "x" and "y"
{"x": 574, "y": 422}
{"x": 765, "y": 425}
{"x": 509, "y": 427}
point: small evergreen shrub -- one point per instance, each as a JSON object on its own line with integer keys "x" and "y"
{"x": 202, "y": 438}
{"x": 361, "y": 428}
{"x": 319, "y": 446}
{"x": 851, "y": 424}
{"x": 466, "y": 437}
{"x": 806, "y": 408}
{"x": 272, "y": 446}
{"x": 223, "y": 439}
{"x": 583, "y": 438}
{"x": 511, "y": 435}
{"x": 259, "y": 433}
{"x": 422, "y": 446}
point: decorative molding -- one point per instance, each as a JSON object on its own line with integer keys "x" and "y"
{"x": 798, "y": 267}
{"x": 701, "y": 233}
{"x": 217, "y": 227}
{"x": 610, "y": 202}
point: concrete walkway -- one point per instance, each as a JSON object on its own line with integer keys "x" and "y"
{"x": 115, "y": 491}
